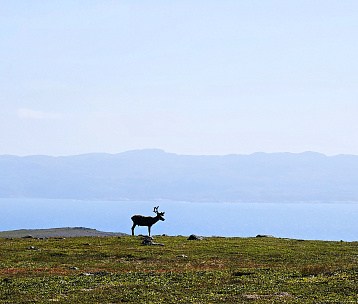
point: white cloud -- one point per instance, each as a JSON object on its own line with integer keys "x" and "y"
{"x": 24, "y": 113}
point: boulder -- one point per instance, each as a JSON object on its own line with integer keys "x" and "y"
{"x": 148, "y": 240}
{"x": 194, "y": 237}
{"x": 264, "y": 236}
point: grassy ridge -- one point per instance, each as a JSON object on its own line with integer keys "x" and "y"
{"x": 57, "y": 232}
{"x": 214, "y": 270}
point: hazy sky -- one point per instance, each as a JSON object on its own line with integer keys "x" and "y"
{"x": 192, "y": 77}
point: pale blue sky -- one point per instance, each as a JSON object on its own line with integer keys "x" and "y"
{"x": 191, "y": 77}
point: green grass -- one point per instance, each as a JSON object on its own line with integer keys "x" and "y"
{"x": 214, "y": 270}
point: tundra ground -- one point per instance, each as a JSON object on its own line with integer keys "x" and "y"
{"x": 213, "y": 270}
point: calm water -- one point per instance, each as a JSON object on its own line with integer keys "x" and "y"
{"x": 334, "y": 221}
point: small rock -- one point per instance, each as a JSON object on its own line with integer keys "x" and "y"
{"x": 150, "y": 243}
{"x": 267, "y": 296}
{"x": 194, "y": 237}
{"x": 148, "y": 240}
{"x": 29, "y": 236}
{"x": 147, "y": 237}
{"x": 32, "y": 248}
{"x": 144, "y": 242}
{"x": 283, "y": 294}
{"x": 264, "y": 236}
{"x": 183, "y": 256}
{"x": 242, "y": 273}
{"x": 252, "y": 296}
{"x": 101, "y": 273}
{"x": 97, "y": 273}
{"x": 74, "y": 268}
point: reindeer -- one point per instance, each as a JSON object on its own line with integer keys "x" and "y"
{"x": 148, "y": 221}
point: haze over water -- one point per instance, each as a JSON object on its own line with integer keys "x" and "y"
{"x": 323, "y": 221}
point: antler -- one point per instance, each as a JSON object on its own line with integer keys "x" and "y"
{"x": 156, "y": 209}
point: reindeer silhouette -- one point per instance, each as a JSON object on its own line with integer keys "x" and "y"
{"x": 148, "y": 221}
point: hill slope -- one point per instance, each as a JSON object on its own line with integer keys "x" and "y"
{"x": 56, "y": 232}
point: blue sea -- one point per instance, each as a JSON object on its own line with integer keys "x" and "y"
{"x": 316, "y": 221}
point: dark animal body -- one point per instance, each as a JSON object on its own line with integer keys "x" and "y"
{"x": 149, "y": 221}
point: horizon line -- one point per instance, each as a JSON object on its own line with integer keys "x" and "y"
{"x": 175, "y": 153}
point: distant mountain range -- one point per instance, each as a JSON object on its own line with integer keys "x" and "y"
{"x": 155, "y": 175}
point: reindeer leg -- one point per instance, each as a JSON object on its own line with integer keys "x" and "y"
{"x": 149, "y": 230}
{"x": 133, "y": 228}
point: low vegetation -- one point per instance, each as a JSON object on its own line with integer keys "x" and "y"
{"x": 56, "y": 232}
{"x": 212, "y": 270}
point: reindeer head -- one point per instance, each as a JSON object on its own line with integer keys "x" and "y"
{"x": 159, "y": 214}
